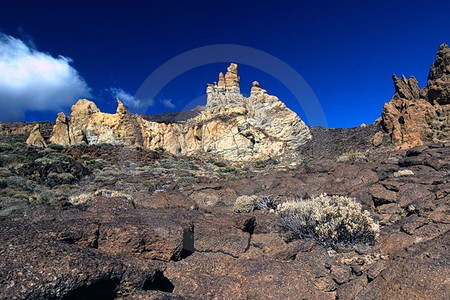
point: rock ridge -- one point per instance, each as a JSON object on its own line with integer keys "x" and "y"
{"x": 415, "y": 116}
{"x": 231, "y": 125}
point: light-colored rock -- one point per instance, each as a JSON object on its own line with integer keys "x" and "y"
{"x": 377, "y": 139}
{"x": 35, "y": 138}
{"x": 231, "y": 126}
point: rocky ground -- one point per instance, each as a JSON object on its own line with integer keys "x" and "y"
{"x": 111, "y": 222}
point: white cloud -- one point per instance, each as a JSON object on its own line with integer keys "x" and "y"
{"x": 35, "y": 81}
{"x": 168, "y": 103}
{"x": 132, "y": 103}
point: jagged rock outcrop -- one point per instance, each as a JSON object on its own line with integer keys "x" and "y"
{"x": 35, "y": 138}
{"x": 416, "y": 116}
{"x": 232, "y": 126}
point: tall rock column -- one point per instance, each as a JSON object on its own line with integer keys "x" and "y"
{"x": 416, "y": 116}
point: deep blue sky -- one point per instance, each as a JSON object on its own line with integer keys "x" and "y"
{"x": 345, "y": 50}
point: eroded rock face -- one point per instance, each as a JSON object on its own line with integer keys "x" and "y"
{"x": 231, "y": 126}
{"x": 35, "y": 138}
{"x": 416, "y": 116}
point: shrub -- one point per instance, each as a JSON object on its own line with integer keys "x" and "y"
{"x": 351, "y": 156}
{"x": 55, "y": 146}
{"x": 260, "y": 164}
{"x": 267, "y": 203}
{"x": 333, "y": 221}
{"x": 220, "y": 164}
{"x": 112, "y": 193}
{"x": 402, "y": 173}
{"x": 80, "y": 198}
{"x": 245, "y": 204}
{"x": 5, "y": 147}
{"x": 3, "y": 184}
{"x": 95, "y": 164}
{"x": 235, "y": 177}
{"x": 84, "y": 197}
{"x": 54, "y": 157}
{"x": 61, "y": 178}
{"x": 152, "y": 185}
{"x": 229, "y": 170}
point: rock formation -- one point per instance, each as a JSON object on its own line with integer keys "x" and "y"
{"x": 35, "y": 138}
{"x": 231, "y": 126}
{"x": 416, "y": 116}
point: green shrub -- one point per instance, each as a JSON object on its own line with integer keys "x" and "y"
{"x": 5, "y": 147}
{"x": 152, "y": 185}
{"x": 261, "y": 164}
{"x": 3, "y": 184}
{"x": 54, "y": 157}
{"x": 95, "y": 164}
{"x": 55, "y": 146}
{"x": 61, "y": 178}
{"x": 182, "y": 165}
{"x": 220, "y": 164}
{"x": 235, "y": 177}
{"x": 228, "y": 170}
{"x": 245, "y": 204}
{"x": 333, "y": 221}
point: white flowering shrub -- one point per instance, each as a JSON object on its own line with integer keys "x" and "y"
{"x": 333, "y": 221}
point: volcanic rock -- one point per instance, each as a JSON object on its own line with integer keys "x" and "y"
{"x": 414, "y": 117}
{"x": 35, "y": 138}
{"x": 231, "y": 126}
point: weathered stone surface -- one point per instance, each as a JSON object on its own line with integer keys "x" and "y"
{"x": 214, "y": 276}
{"x": 413, "y": 116}
{"x": 421, "y": 272}
{"x": 232, "y": 126}
{"x": 35, "y": 138}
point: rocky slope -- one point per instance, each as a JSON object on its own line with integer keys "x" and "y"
{"x": 416, "y": 116}
{"x": 137, "y": 224}
{"x": 90, "y": 220}
{"x": 231, "y": 126}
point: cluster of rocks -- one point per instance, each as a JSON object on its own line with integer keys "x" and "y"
{"x": 417, "y": 116}
{"x": 231, "y": 126}
{"x": 189, "y": 244}
{"x": 175, "y": 235}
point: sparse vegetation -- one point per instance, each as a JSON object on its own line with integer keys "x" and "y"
{"x": 402, "y": 173}
{"x": 54, "y": 157}
{"x": 235, "y": 177}
{"x": 351, "y": 156}
{"x": 152, "y": 185}
{"x": 261, "y": 164}
{"x": 182, "y": 165}
{"x": 333, "y": 221}
{"x": 229, "y": 170}
{"x": 55, "y": 147}
{"x": 85, "y": 197}
{"x": 220, "y": 164}
{"x": 5, "y": 147}
{"x": 245, "y": 204}
{"x": 267, "y": 203}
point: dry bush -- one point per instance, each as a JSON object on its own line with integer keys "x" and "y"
{"x": 351, "y": 156}
{"x": 333, "y": 221}
{"x": 402, "y": 173}
{"x": 267, "y": 203}
{"x": 85, "y": 197}
{"x": 245, "y": 204}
